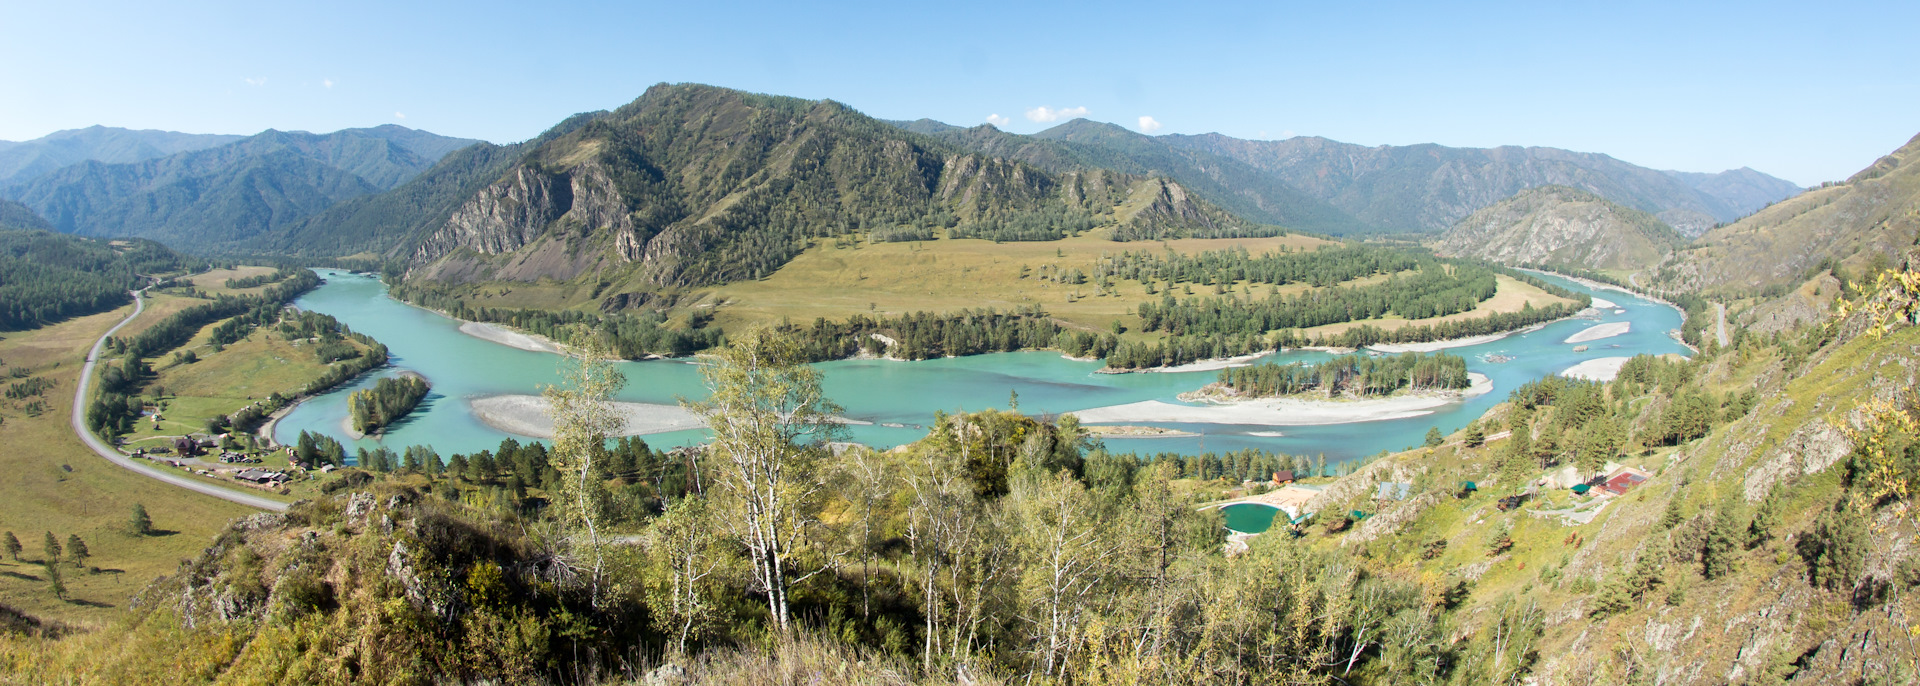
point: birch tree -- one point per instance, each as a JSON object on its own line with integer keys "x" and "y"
{"x": 1064, "y": 554}
{"x": 770, "y": 424}
{"x": 584, "y": 417}
{"x": 686, "y": 554}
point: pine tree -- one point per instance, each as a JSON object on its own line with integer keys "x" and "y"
{"x": 1434, "y": 438}
{"x": 50, "y": 548}
{"x": 140, "y": 523}
{"x": 1719, "y": 554}
{"x": 54, "y": 582}
{"x": 77, "y": 550}
{"x": 13, "y": 546}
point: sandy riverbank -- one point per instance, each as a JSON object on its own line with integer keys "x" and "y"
{"x": 1284, "y": 411}
{"x": 528, "y": 415}
{"x": 1138, "y": 432}
{"x": 1597, "y": 369}
{"x": 1212, "y": 365}
{"x": 1603, "y": 304}
{"x": 1396, "y": 348}
{"x": 509, "y": 337}
{"x": 1607, "y": 330}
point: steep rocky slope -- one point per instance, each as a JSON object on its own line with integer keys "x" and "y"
{"x": 1870, "y": 219}
{"x": 1564, "y": 226}
{"x": 694, "y": 185}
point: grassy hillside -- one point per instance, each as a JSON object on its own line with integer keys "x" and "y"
{"x": 1863, "y": 223}
{"x": 1563, "y": 227}
{"x": 54, "y": 484}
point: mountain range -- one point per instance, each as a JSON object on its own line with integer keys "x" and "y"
{"x": 696, "y": 183}
{"x": 221, "y": 195}
{"x": 21, "y": 161}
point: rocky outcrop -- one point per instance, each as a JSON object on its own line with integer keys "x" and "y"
{"x": 1561, "y": 225}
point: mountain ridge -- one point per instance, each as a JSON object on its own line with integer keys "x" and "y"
{"x": 1563, "y": 227}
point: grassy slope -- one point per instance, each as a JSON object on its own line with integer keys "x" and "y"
{"x": 93, "y": 500}
{"x": 1689, "y": 628}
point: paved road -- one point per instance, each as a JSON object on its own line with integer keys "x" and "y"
{"x": 1721, "y": 313}
{"x": 114, "y": 456}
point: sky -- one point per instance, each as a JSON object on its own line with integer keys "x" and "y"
{"x": 1809, "y": 92}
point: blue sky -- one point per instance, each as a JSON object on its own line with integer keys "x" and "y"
{"x": 1807, "y": 91}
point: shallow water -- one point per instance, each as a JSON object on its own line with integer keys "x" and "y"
{"x": 1249, "y": 518}
{"x": 463, "y": 367}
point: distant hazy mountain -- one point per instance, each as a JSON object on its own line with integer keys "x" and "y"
{"x": 1739, "y": 192}
{"x": 21, "y": 161}
{"x": 1424, "y": 188}
{"x": 1871, "y": 219}
{"x": 14, "y": 215}
{"x": 215, "y": 196}
{"x": 1557, "y": 225}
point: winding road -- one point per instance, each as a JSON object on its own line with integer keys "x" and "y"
{"x": 114, "y": 456}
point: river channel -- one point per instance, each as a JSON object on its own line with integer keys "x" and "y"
{"x": 897, "y": 400}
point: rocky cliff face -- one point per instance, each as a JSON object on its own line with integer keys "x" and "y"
{"x": 1561, "y": 225}
{"x": 692, "y": 185}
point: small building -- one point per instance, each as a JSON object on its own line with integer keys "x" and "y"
{"x": 186, "y": 447}
{"x": 1623, "y": 479}
{"x": 260, "y": 476}
{"x": 1284, "y": 476}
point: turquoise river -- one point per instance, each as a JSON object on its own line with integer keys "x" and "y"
{"x": 907, "y": 394}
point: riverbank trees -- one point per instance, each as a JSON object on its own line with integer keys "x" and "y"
{"x": 1364, "y": 375}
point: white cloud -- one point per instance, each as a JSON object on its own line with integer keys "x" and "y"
{"x": 1047, "y": 114}
{"x": 255, "y": 82}
{"x": 998, "y": 120}
{"x": 399, "y": 115}
{"x": 1149, "y": 124}
{"x": 326, "y": 82}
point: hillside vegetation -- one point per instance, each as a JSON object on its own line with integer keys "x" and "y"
{"x": 1867, "y": 221}
{"x": 1567, "y": 228}
{"x": 1770, "y": 542}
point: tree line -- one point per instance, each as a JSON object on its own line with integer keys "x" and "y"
{"x": 1351, "y": 375}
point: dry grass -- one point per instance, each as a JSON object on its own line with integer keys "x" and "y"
{"x": 215, "y": 282}
{"x": 53, "y": 483}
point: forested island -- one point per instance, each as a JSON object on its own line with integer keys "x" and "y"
{"x": 390, "y": 399}
{"x": 1353, "y": 375}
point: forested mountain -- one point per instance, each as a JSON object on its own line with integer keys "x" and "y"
{"x": 694, "y": 184}
{"x": 220, "y": 195}
{"x": 1426, "y": 188}
{"x": 1866, "y": 221}
{"x": 23, "y": 160}
{"x": 1082, "y": 144}
{"x": 46, "y": 277}
{"x": 1315, "y": 184}
{"x": 1565, "y": 227}
{"x": 14, "y": 215}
